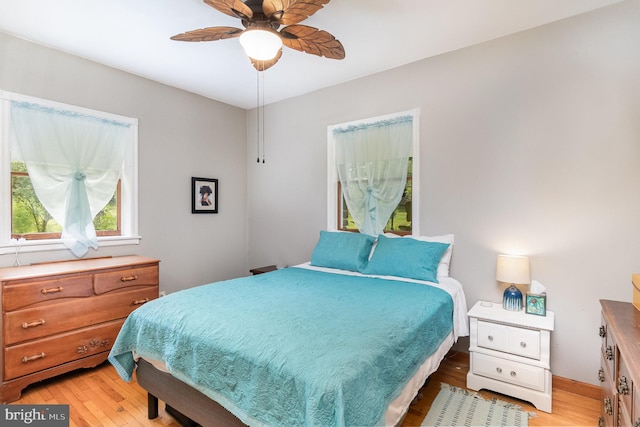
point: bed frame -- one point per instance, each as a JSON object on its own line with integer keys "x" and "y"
{"x": 187, "y": 405}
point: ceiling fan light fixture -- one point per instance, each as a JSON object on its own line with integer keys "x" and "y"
{"x": 259, "y": 44}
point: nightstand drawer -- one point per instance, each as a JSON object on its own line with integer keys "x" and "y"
{"x": 510, "y": 339}
{"x": 508, "y": 371}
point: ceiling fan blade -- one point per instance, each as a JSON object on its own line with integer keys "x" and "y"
{"x": 287, "y": 12}
{"x": 264, "y": 65}
{"x": 312, "y": 40}
{"x": 208, "y": 34}
{"x": 235, "y": 8}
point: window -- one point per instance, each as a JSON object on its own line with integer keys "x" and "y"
{"x": 23, "y": 215}
{"x": 401, "y": 219}
{"x": 404, "y": 219}
{"x": 31, "y": 221}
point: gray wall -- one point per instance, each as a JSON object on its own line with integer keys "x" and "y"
{"x": 530, "y": 144}
{"x": 180, "y": 135}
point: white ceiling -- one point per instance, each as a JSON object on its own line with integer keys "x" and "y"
{"x": 133, "y": 35}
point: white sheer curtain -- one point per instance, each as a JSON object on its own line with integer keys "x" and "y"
{"x": 74, "y": 162}
{"x": 372, "y": 161}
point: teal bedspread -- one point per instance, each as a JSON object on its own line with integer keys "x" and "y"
{"x": 293, "y": 347}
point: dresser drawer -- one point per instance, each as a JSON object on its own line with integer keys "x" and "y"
{"x": 608, "y": 404}
{"x": 16, "y": 295}
{"x": 37, "y": 322}
{"x": 125, "y": 278}
{"x": 624, "y": 386}
{"x": 510, "y": 339}
{"x": 508, "y": 371}
{"x": 23, "y": 359}
{"x": 603, "y": 332}
{"x": 608, "y": 348}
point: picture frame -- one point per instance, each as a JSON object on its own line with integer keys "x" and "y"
{"x": 204, "y": 195}
{"x": 536, "y": 304}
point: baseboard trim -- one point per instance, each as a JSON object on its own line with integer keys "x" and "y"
{"x": 577, "y": 387}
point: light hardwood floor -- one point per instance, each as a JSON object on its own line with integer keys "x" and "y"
{"x": 98, "y": 397}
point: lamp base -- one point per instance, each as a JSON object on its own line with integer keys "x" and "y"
{"x": 512, "y": 299}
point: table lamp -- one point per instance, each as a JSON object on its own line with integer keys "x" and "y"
{"x": 514, "y": 270}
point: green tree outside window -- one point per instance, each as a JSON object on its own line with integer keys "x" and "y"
{"x": 31, "y": 220}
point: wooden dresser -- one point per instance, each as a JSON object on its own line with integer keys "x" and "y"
{"x": 61, "y": 316}
{"x": 620, "y": 364}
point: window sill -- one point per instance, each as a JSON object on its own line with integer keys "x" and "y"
{"x": 56, "y": 244}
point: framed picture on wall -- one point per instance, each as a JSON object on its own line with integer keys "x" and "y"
{"x": 204, "y": 195}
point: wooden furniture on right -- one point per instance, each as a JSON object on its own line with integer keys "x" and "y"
{"x": 61, "y": 316}
{"x": 620, "y": 364}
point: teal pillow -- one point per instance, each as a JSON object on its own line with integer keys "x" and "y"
{"x": 343, "y": 250}
{"x": 409, "y": 258}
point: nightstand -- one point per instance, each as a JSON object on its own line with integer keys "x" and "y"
{"x": 510, "y": 353}
{"x": 264, "y": 269}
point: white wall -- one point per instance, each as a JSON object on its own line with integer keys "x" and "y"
{"x": 530, "y": 144}
{"x": 180, "y": 135}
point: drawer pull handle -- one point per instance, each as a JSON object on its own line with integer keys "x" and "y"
{"x": 608, "y": 407}
{"x": 34, "y": 357}
{"x": 602, "y": 332}
{"x": 51, "y": 290}
{"x": 39, "y": 322}
{"x": 140, "y": 301}
{"x": 499, "y": 370}
{"x": 513, "y": 373}
{"x": 609, "y": 352}
{"x": 129, "y": 278}
{"x": 601, "y": 375}
{"x": 623, "y": 387}
{"x": 523, "y": 344}
{"x": 490, "y": 337}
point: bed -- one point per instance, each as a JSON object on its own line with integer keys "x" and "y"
{"x": 308, "y": 345}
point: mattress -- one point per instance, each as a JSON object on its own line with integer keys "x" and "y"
{"x": 379, "y": 344}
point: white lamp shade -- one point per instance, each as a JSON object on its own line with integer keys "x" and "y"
{"x": 260, "y": 45}
{"x": 513, "y": 269}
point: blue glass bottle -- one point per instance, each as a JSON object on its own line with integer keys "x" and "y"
{"x": 512, "y": 299}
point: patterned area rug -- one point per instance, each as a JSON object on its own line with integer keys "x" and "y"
{"x": 454, "y": 406}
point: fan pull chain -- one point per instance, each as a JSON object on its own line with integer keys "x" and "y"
{"x": 260, "y": 115}
{"x": 263, "y": 120}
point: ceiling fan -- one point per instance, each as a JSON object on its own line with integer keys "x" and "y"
{"x": 262, "y": 37}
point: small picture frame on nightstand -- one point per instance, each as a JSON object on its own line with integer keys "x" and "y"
{"x": 536, "y": 304}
